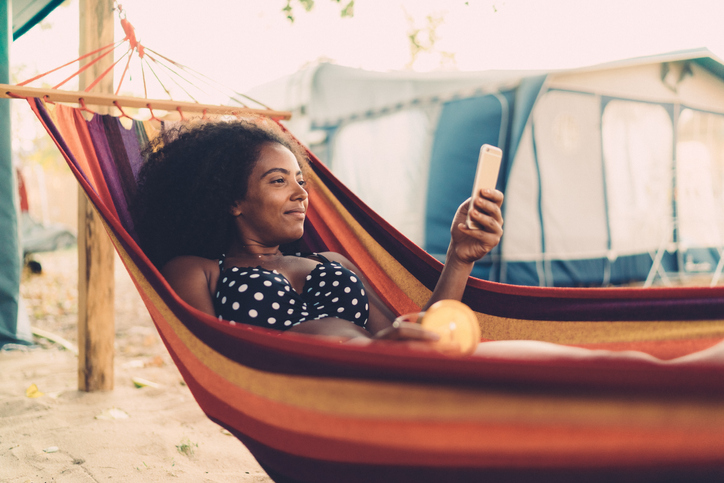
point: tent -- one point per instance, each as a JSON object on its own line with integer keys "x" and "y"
{"x": 612, "y": 173}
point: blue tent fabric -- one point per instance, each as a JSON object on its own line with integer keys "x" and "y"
{"x": 465, "y": 125}
{"x": 16, "y": 18}
{"x": 10, "y": 258}
{"x": 525, "y": 96}
{"x": 27, "y": 13}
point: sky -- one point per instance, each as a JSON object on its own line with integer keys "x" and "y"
{"x": 245, "y": 43}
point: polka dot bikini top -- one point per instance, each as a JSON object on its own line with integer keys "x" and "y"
{"x": 266, "y": 298}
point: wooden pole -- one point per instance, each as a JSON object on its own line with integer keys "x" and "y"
{"x": 96, "y": 319}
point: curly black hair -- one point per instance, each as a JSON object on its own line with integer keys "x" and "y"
{"x": 192, "y": 175}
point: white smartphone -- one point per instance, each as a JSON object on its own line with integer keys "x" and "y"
{"x": 486, "y": 175}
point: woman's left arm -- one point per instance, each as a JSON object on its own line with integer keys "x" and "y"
{"x": 466, "y": 247}
{"x": 469, "y": 245}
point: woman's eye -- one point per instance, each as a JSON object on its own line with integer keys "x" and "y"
{"x": 279, "y": 180}
{"x": 302, "y": 182}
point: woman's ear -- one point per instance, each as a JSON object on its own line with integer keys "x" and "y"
{"x": 235, "y": 209}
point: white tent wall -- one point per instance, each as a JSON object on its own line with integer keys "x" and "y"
{"x": 700, "y": 178}
{"x": 339, "y": 94}
{"x": 522, "y": 238}
{"x": 637, "y": 148}
{"x": 684, "y": 82}
{"x": 521, "y": 243}
{"x": 386, "y": 161}
{"x": 567, "y": 143}
{"x": 291, "y": 93}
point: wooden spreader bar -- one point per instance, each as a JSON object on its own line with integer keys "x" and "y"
{"x": 94, "y": 99}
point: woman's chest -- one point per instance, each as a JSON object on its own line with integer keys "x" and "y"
{"x": 286, "y": 271}
{"x": 324, "y": 284}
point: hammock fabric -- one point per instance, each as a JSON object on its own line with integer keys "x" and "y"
{"x": 313, "y": 410}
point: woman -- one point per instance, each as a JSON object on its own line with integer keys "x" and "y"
{"x": 216, "y": 204}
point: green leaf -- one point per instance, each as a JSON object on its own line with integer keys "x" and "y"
{"x": 348, "y": 10}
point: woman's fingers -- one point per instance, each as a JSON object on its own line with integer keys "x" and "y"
{"x": 495, "y": 196}
{"x": 489, "y": 203}
{"x": 472, "y": 244}
{"x": 412, "y": 317}
{"x": 487, "y": 214}
{"x": 401, "y": 330}
{"x": 486, "y": 225}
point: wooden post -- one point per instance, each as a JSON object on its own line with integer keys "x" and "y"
{"x": 96, "y": 319}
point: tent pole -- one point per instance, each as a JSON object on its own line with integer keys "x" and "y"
{"x": 10, "y": 256}
{"x": 96, "y": 315}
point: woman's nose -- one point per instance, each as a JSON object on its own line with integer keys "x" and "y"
{"x": 300, "y": 193}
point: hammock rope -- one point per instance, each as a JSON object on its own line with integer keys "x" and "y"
{"x": 107, "y": 71}
{"x": 123, "y": 75}
{"x": 211, "y": 82}
{"x": 40, "y": 76}
{"x": 173, "y": 78}
{"x": 137, "y": 53}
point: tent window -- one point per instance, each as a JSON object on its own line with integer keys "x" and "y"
{"x": 567, "y": 132}
{"x": 568, "y": 153}
{"x": 385, "y": 161}
{"x": 700, "y": 178}
{"x": 637, "y": 140}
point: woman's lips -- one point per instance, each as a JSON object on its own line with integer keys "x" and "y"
{"x": 297, "y": 214}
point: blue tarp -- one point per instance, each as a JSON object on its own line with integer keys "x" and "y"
{"x": 14, "y": 327}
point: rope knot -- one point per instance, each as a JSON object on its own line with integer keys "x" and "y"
{"x": 130, "y": 33}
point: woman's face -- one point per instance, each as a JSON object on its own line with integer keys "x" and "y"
{"x": 273, "y": 211}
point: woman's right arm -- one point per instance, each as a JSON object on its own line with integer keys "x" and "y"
{"x": 194, "y": 280}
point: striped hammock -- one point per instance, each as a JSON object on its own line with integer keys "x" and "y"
{"x": 612, "y": 400}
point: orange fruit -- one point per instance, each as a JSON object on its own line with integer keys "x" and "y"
{"x": 455, "y": 323}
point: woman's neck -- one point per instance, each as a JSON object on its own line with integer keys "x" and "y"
{"x": 254, "y": 250}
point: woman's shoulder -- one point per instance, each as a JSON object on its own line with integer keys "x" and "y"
{"x": 193, "y": 279}
{"x": 339, "y": 258}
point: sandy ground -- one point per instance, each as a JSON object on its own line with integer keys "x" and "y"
{"x": 130, "y": 434}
